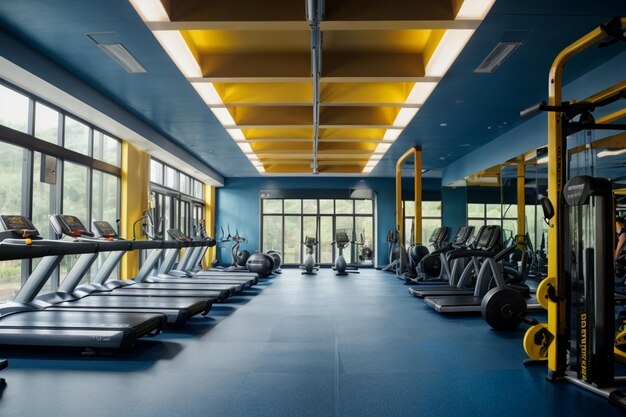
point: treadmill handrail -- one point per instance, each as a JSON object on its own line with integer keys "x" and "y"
{"x": 463, "y": 253}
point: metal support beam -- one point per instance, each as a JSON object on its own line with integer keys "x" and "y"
{"x": 315, "y": 13}
{"x": 521, "y": 199}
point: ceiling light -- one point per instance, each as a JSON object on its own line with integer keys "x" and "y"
{"x": 543, "y": 160}
{"x": 176, "y": 47}
{"x": 223, "y": 115}
{"x": 367, "y": 170}
{"x": 375, "y": 157}
{"x": 474, "y": 9}
{"x": 122, "y": 56}
{"x": 611, "y": 153}
{"x": 405, "y": 115}
{"x": 257, "y": 163}
{"x": 245, "y": 147}
{"x": 236, "y": 134}
{"x": 420, "y": 92}
{"x": 484, "y": 180}
{"x": 496, "y": 57}
{"x": 443, "y": 124}
{"x": 452, "y": 43}
{"x": 150, "y": 10}
{"x": 208, "y": 93}
{"x": 465, "y": 145}
{"x": 392, "y": 134}
{"x": 260, "y": 168}
{"x": 382, "y": 148}
{"x": 253, "y": 158}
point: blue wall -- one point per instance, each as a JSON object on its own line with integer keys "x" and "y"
{"x": 237, "y": 204}
{"x": 454, "y": 208}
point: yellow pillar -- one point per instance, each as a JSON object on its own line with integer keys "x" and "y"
{"x": 399, "y": 217}
{"x": 209, "y": 219}
{"x": 417, "y": 178}
{"x": 134, "y": 186}
{"x": 521, "y": 199}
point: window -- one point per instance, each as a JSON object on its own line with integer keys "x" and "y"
{"x": 505, "y": 216}
{"x": 10, "y": 188}
{"x": 25, "y": 190}
{"x": 286, "y": 223}
{"x": 13, "y": 109}
{"x": 431, "y": 219}
{"x": 76, "y": 136}
{"x": 46, "y": 123}
{"x": 156, "y": 172}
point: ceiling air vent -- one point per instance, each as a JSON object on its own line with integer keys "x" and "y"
{"x": 117, "y": 52}
{"x": 496, "y": 57}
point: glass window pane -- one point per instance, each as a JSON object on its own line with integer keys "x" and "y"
{"x": 408, "y": 231}
{"x": 326, "y": 207}
{"x": 363, "y": 206}
{"x": 185, "y": 184}
{"x": 171, "y": 178}
{"x": 309, "y": 226}
{"x": 106, "y": 149}
{"x": 494, "y": 211}
{"x": 364, "y": 226}
{"x": 156, "y": 172}
{"x": 13, "y": 109}
{"x": 431, "y": 208}
{"x": 198, "y": 189}
{"x": 309, "y": 206}
{"x": 272, "y": 206}
{"x": 409, "y": 208}
{"x": 326, "y": 237}
{"x": 475, "y": 210}
{"x": 293, "y": 206}
{"x": 46, "y": 123}
{"x": 292, "y": 239}
{"x": 477, "y": 223}
{"x": 428, "y": 227}
{"x": 509, "y": 228}
{"x": 344, "y": 207}
{"x": 75, "y": 198}
{"x": 509, "y": 211}
{"x": 272, "y": 233}
{"x": 11, "y": 161}
{"x": 76, "y": 136}
{"x": 105, "y": 197}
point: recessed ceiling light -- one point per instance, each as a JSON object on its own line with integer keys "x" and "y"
{"x": 489, "y": 127}
{"x": 443, "y": 124}
{"x": 465, "y": 145}
{"x": 442, "y": 158}
{"x": 459, "y": 101}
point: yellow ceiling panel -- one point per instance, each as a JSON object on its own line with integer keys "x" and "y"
{"x": 268, "y": 147}
{"x": 249, "y": 41}
{"x": 354, "y": 116}
{"x": 270, "y": 115}
{"x": 362, "y": 133}
{"x": 355, "y": 146}
{"x": 265, "y": 93}
{"x": 261, "y": 133}
{"x": 353, "y": 93}
{"x": 376, "y": 41}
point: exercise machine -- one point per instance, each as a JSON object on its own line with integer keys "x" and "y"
{"x": 3, "y": 364}
{"x": 238, "y": 257}
{"x": 342, "y": 240}
{"x": 309, "y": 267}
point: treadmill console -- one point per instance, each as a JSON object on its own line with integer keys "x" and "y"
{"x": 104, "y": 229}
{"x": 310, "y": 241}
{"x": 19, "y": 226}
{"x": 178, "y": 235}
{"x": 69, "y": 225}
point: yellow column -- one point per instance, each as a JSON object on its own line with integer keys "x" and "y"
{"x": 134, "y": 186}
{"x": 399, "y": 217}
{"x": 417, "y": 178}
{"x": 209, "y": 219}
{"x": 521, "y": 199}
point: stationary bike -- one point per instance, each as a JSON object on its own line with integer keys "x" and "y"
{"x": 342, "y": 241}
{"x": 309, "y": 267}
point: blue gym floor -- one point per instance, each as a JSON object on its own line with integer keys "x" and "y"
{"x": 299, "y": 346}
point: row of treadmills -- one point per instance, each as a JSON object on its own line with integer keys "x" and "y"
{"x": 472, "y": 264}
{"x": 91, "y": 311}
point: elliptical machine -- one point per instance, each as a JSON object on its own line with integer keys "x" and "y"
{"x": 309, "y": 267}
{"x": 341, "y": 242}
{"x": 238, "y": 258}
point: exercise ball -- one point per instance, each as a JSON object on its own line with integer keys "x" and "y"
{"x": 261, "y": 264}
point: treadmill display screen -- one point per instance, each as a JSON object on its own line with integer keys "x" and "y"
{"x": 310, "y": 241}
{"x": 104, "y": 229}
{"x": 21, "y": 224}
{"x": 341, "y": 236}
{"x": 74, "y": 225}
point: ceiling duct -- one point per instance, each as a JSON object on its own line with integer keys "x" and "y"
{"x": 497, "y": 56}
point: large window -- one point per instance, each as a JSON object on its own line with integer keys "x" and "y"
{"x": 431, "y": 219}
{"x": 287, "y": 222}
{"x": 505, "y": 216}
{"x": 37, "y": 185}
{"x": 179, "y": 199}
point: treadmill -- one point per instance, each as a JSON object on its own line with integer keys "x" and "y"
{"x": 100, "y": 287}
{"x": 144, "y": 281}
{"x": 194, "y": 251}
{"x": 177, "y": 309}
{"x": 26, "y": 323}
{"x": 483, "y": 248}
